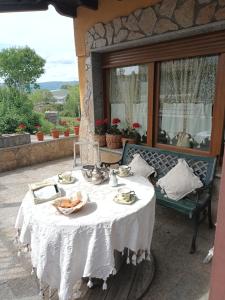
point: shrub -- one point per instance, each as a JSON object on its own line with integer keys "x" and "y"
{"x": 46, "y": 126}
{"x": 16, "y": 108}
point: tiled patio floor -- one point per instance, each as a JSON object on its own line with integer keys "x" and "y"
{"x": 179, "y": 275}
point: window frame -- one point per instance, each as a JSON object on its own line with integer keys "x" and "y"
{"x": 152, "y": 56}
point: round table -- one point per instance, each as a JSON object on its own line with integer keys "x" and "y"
{"x": 67, "y": 248}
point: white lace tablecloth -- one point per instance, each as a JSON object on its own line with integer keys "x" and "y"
{"x": 67, "y": 248}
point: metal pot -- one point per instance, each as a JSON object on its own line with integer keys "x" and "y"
{"x": 94, "y": 174}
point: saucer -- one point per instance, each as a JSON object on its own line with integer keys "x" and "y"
{"x": 125, "y": 175}
{"x": 64, "y": 181}
{"x": 133, "y": 198}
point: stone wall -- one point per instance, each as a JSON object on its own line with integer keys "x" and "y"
{"x": 14, "y": 139}
{"x": 144, "y": 25}
{"x": 27, "y": 155}
{"x": 169, "y": 16}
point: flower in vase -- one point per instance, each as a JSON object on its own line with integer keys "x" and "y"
{"x": 113, "y": 128}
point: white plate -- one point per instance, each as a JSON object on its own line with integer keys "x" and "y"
{"x": 70, "y": 210}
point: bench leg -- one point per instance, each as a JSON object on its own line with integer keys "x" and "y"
{"x": 211, "y": 225}
{"x": 196, "y": 225}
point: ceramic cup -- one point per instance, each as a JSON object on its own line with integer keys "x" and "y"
{"x": 124, "y": 170}
{"x": 67, "y": 176}
{"x": 125, "y": 194}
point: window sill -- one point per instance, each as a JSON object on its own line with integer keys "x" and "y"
{"x": 114, "y": 151}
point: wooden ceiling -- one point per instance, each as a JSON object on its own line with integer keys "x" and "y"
{"x": 64, "y": 7}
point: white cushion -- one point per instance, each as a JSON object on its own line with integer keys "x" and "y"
{"x": 140, "y": 167}
{"x": 179, "y": 181}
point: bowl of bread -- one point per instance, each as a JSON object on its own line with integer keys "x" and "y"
{"x": 68, "y": 205}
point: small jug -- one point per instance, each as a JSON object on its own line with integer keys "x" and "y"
{"x": 113, "y": 179}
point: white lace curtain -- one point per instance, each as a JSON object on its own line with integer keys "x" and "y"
{"x": 128, "y": 96}
{"x": 187, "y": 89}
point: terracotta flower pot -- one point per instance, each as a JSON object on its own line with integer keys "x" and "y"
{"x": 55, "y": 133}
{"x": 67, "y": 132}
{"x": 101, "y": 139}
{"x": 129, "y": 141}
{"x": 113, "y": 141}
{"x": 40, "y": 136}
{"x": 76, "y": 130}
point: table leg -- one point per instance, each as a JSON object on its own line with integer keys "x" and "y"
{"x": 74, "y": 155}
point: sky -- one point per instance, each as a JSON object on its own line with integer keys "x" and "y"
{"x": 49, "y": 34}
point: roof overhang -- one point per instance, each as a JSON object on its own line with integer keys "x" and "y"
{"x": 64, "y": 7}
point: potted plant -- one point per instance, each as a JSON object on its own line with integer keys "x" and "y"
{"x": 39, "y": 133}
{"x": 131, "y": 135}
{"x": 66, "y": 132}
{"x": 113, "y": 135}
{"x": 56, "y": 131}
{"x": 77, "y": 126}
{"x": 21, "y": 128}
{"x": 100, "y": 130}
{"x": 66, "y": 129}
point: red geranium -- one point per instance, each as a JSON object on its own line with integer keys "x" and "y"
{"x": 37, "y": 126}
{"x": 22, "y": 126}
{"x": 63, "y": 122}
{"x": 113, "y": 129}
{"x": 105, "y": 121}
{"x": 136, "y": 125}
{"x": 99, "y": 122}
{"x": 77, "y": 119}
{"x": 115, "y": 121}
{"x": 100, "y": 127}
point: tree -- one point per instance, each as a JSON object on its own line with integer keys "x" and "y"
{"x": 72, "y": 104}
{"x": 41, "y": 97}
{"x": 16, "y": 108}
{"x": 21, "y": 67}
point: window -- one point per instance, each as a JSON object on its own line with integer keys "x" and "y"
{"x": 128, "y": 96}
{"x": 175, "y": 90}
{"x": 186, "y": 98}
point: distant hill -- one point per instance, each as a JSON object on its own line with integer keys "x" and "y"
{"x": 55, "y": 85}
{"x": 52, "y": 85}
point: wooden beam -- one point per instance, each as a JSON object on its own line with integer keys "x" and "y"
{"x": 151, "y": 73}
{"x": 90, "y": 3}
{"x": 219, "y": 109}
{"x": 67, "y": 7}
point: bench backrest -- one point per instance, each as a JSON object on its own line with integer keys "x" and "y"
{"x": 163, "y": 161}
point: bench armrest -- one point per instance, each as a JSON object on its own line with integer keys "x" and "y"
{"x": 195, "y": 195}
{"x": 108, "y": 164}
{"x": 204, "y": 188}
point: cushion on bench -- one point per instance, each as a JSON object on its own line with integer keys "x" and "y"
{"x": 163, "y": 161}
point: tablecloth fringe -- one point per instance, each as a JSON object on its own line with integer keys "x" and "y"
{"x": 136, "y": 258}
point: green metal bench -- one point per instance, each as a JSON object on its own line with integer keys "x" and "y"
{"x": 196, "y": 205}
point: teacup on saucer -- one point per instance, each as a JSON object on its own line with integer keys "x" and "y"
{"x": 125, "y": 194}
{"x": 124, "y": 170}
{"x": 66, "y": 176}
